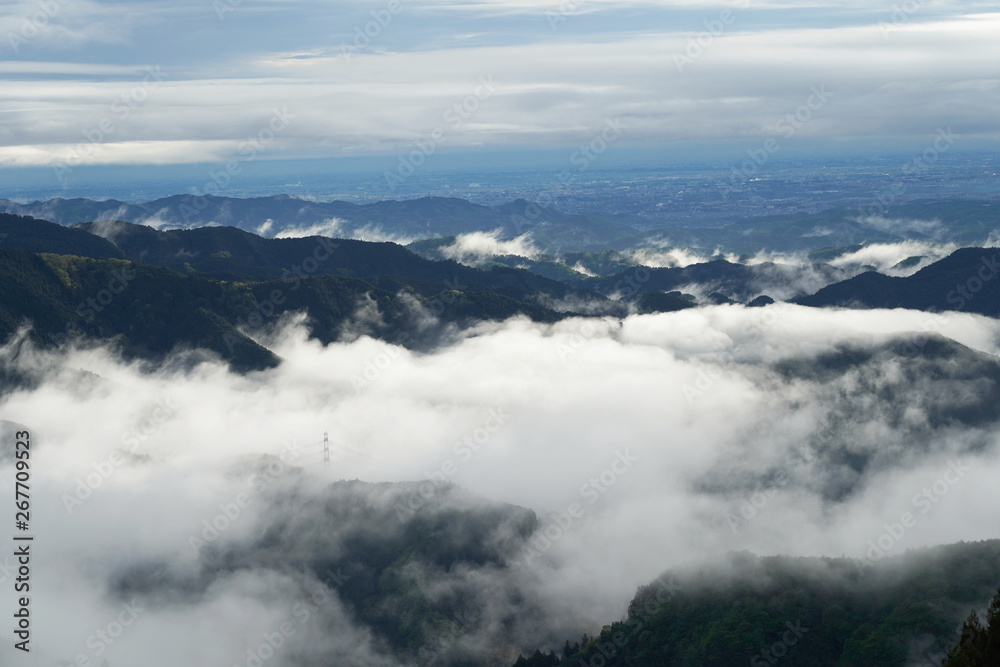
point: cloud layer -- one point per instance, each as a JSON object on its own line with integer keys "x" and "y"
{"x": 352, "y": 83}
{"x": 664, "y": 429}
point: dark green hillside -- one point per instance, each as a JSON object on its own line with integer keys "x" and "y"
{"x": 227, "y": 252}
{"x": 570, "y": 268}
{"x": 737, "y": 281}
{"x": 420, "y": 566}
{"x": 968, "y": 280}
{"x": 409, "y": 218}
{"x": 147, "y": 310}
{"x": 41, "y": 236}
{"x": 980, "y": 642}
{"x": 30, "y": 290}
{"x": 806, "y": 612}
{"x": 151, "y": 310}
{"x": 662, "y": 302}
{"x": 70, "y": 211}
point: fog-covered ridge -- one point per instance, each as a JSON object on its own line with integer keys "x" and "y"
{"x": 774, "y": 429}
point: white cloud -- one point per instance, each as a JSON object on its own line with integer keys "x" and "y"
{"x": 332, "y": 228}
{"x": 64, "y": 68}
{"x": 265, "y": 229}
{"x": 335, "y": 228}
{"x": 549, "y": 91}
{"x": 885, "y": 256}
{"x": 132, "y": 152}
{"x": 62, "y": 25}
{"x": 661, "y": 255}
{"x": 932, "y": 228}
{"x": 706, "y": 412}
{"x": 375, "y": 234}
{"x": 477, "y": 247}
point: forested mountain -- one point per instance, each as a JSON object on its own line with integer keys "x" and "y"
{"x": 42, "y": 236}
{"x": 958, "y": 221}
{"x": 419, "y": 572}
{"x": 150, "y": 310}
{"x": 742, "y": 282}
{"x": 435, "y": 584}
{"x": 280, "y": 213}
{"x": 199, "y": 287}
{"x": 226, "y": 252}
{"x": 813, "y": 612}
{"x": 231, "y": 254}
{"x": 980, "y": 643}
{"x": 966, "y": 280}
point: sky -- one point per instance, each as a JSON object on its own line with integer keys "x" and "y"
{"x": 693, "y": 404}
{"x": 214, "y": 81}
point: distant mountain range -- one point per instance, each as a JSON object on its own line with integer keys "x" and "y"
{"x": 283, "y": 215}
{"x": 218, "y": 290}
{"x": 968, "y": 280}
{"x": 958, "y": 221}
{"x": 207, "y": 288}
{"x": 147, "y": 294}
